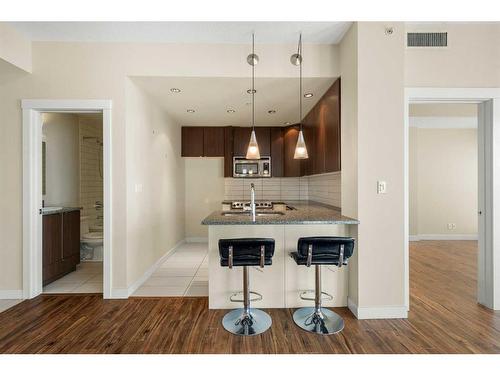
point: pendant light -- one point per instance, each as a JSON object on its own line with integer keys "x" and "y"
{"x": 300, "y": 148}
{"x": 253, "y": 147}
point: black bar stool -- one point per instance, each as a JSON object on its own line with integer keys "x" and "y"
{"x": 318, "y": 251}
{"x": 245, "y": 252}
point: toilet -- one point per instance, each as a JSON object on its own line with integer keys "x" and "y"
{"x": 91, "y": 242}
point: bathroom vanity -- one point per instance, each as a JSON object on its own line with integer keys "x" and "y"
{"x": 61, "y": 243}
{"x": 281, "y": 283}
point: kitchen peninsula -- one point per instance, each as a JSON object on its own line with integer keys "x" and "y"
{"x": 280, "y": 283}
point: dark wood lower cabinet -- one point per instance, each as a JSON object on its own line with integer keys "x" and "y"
{"x": 61, "y": 245}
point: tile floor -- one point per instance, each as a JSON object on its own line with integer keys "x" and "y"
{"x": 184, "y": 273}
{"x": 86, "y": 279}
{"x": 6, "y": 304}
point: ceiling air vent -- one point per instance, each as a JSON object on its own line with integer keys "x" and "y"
{"x": 427, "y": 39}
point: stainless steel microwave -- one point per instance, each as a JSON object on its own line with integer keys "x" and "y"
{"x": 251, "y": 168}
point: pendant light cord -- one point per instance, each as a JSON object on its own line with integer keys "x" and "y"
{"x": 300, "y": 80}
{"x": 253, "y": 81}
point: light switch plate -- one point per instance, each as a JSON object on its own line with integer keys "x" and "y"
{"x": 381, "y": 187}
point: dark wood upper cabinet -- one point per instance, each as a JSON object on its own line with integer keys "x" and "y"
{"x": 321, "y": 128}
{"x": 192, "y": 141}
{"x": 228, "y": 151}
{"x": 331, "y": 116}
{"x": 240, "y": 141}
{"x": 213, "y": 141}
{"x": 292, "y": 167}
{"x": 277, "y": 152}
{"x": 307, "y": 165}
{"x": 263, "y": 135}
{"x": 242, "y": 137}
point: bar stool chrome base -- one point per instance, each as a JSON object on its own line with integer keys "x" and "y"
{"x": 322, "y": 321}
{"x": 244, "y": 323}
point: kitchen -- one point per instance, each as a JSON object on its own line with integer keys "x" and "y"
{"x": 281, "y": 181}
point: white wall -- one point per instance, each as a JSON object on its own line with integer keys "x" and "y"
{"x": 381, "y": 261}
{"x": 61, "y": 134}
{"x": 443, "y": 182}
{"x": 372, "y": 63}
{"x": 472, "y": 58}
{"x": 15, "y": 48}
{"x": 204, "y": 193}
{"x": 101, "y": 71}
{"x": 155, "y": 183}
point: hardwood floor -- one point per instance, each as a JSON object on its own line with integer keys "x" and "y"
{"x": 444, "y": 318}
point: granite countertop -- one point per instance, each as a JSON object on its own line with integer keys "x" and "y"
{"x": 61, "y": 210}
{"x": 305, "y": 212}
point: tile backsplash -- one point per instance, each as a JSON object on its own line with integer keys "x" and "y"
{"x": 323, "y": 188}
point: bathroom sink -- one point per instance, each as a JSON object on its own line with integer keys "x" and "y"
{"x": 51, "y": 209}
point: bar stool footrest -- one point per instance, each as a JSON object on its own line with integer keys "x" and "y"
{"x": 324, "y": 296}
{"x": 257, "y": 297}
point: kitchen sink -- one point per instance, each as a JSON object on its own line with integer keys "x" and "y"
{"x": 258, "y": 213}
{"x": 274, "y": 213}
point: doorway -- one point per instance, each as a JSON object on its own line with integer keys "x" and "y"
{"x": 33, "y": 197}
{"x": 488, "y": 119}
{"x": 443, "y": 195}
{"x": 72, "y": 196}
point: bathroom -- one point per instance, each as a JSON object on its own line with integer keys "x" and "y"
{"x": 72, "y": 192}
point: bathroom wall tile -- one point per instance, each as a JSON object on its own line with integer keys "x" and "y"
{"x": 91, "y": 182}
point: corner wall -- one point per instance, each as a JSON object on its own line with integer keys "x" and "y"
{"x": 155, "y": 183}
{"x": 381, "y": 240}
{"x": 15, "y": 48}
{"x": 372, "y": 71}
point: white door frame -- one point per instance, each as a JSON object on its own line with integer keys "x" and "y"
{"x": 32, "y": 191}
{"x": 489, "y": 181}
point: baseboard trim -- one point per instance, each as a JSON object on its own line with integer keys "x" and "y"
{"x": 379, "y": 312}
{"x": 11, "y": 294}
{"x": 146, "y": 275}
{"x": 444, "y": 237}
{"x": 119, "y": 293}
{"x": 196, "y": 239}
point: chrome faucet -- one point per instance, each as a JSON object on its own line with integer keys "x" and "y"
{"x": 252, "y": 201}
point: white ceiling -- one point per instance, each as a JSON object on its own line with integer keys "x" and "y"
{"x": 184, "y": 32}
{"x": 211, "y": 97}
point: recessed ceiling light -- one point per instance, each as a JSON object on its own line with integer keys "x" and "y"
{"x": 230, "y": 111}
{"x": 271, "y": 111}
{"x": 308, "y": 95}
{"x": 249, "y": 91}
{"x": 174, "y": 90}
{"x": 288, "y": 123}
{"x": 190, "y": 111}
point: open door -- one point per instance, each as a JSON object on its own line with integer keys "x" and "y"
{"x": 484, "y": 260}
